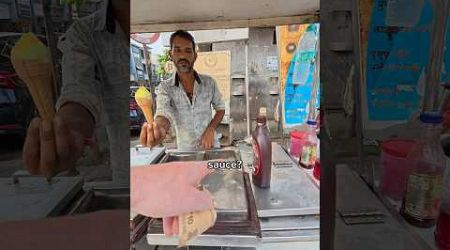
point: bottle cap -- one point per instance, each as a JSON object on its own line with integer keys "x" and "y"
{"x": 431, "y": 117}
{"x": 311, "y": 122}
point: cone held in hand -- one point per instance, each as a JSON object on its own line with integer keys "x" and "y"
{"x": 193, "y": 224}
{"x": 143, "y": 98}
{"x": 31, "y": 61}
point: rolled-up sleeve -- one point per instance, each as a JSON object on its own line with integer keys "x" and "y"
{"x": 217, "y": 101}
{"x": 163, "y": 105}
{"x": 79, "y": 80}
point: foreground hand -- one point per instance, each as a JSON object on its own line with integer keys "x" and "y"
{"x": 169, "y": 190}
{"x": 152, "y": 134}
{"x": 50, "y": 147}
{"x": 207, "y": 139}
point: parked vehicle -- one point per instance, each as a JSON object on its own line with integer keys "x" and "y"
{"x": 16, "y": 104}
{"x": 136, "y": 116}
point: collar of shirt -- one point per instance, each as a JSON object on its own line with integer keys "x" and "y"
{"x": 176, "y": 80}
{"x": 105, "y": 19}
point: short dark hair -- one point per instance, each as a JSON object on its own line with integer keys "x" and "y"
{"x": 183, "y": 34}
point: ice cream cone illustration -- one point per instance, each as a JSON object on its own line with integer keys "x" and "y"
{"x": 31, "y": 61}
{"x": 143, "y": 98}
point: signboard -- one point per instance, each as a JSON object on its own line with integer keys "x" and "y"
{"x": 272, "y": 63}
{"x": 5, "y": 12}
{"x": 24, "y": 8}
{"x": 217, "y": 64}
{"x": 395, "y": 60}
{"x": 169, "y": 67}
{"x": 298, "y": 66}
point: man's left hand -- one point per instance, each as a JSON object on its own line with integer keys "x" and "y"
{"x": 207, "y": 140}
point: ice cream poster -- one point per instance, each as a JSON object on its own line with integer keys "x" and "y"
{"x": 397, "y": 56}
{"x": 298, "y": 55}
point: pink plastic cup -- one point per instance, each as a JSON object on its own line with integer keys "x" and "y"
{"x": 395, "y": 167}
{"x": 298, "y": 138}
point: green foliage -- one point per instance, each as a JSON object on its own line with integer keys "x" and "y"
{"x": 162, "y": 59}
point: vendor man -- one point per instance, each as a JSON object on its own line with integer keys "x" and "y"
{"x": 185, "y": 101}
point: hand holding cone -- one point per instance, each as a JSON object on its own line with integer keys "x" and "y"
{"x": 31, "y": 61}
{"x": 143, "y": 98}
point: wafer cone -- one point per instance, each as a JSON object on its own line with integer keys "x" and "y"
{"x": 31, "y": 61}
{"x": 191, "y": 225}
{"x": 143, "y": 98}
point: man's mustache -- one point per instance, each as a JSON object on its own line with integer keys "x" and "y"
{"x": 183, "y": 60}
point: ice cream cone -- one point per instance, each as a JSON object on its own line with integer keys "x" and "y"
{"x": 192, "y": 224}
{"x": 38, "y": 79}
{"x": 144, "y": 100}
{"x": 31, "y": 61}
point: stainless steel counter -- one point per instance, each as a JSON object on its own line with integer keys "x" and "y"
{"x": 288, "y": 211}
{"x": 291, "y": 190}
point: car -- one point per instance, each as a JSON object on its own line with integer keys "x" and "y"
{"x": 16, "y": 104}
{"x": 136, "y": 116}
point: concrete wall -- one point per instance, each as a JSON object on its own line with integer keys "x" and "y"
{"x": 261, "y": 80}
{"x": 335, "y": 74}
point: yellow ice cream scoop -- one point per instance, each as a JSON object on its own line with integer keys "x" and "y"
{"x": 31, "y": 61}
{"x": 144, "y": 99}
{"x": 29, "y": 47}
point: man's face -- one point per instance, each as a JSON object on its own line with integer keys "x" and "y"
{"x": 183, "y": 54}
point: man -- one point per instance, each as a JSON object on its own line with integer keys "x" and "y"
{"x": 185, "y": 101}
{"x": 95, "y": 74}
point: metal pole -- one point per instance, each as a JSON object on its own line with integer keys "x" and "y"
{"x": 147, "y": 64}
{"x": 51, "y": 42}
{"x": 357, "y": 82}
{"x": 312, "y": 108}
{"x": 434, "y": 68}
{"x": 247, "y": 90}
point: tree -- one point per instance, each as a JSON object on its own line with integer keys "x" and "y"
{"x": 162, "y": 60}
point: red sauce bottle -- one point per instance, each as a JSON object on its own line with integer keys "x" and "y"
{"x": 262, "y": 152}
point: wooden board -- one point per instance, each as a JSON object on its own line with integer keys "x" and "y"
{"x": 217, "y": 64}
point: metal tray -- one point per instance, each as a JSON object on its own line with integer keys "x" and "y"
{"x": 208, "y": 155}
{"x": 226, "y": 186}
{"x": 31, "y": 197}
{"x": 101, "y": 198}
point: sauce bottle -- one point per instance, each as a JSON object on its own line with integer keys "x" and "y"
{"x": 423, "y": 189}
{"x": 262, "y": 151}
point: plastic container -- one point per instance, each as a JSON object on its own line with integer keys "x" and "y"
{"x": 308, "y": 155}
{"x": 297, "y": 140}
{"x": 395, "y": 167}
{"x": 422, "y": 198}
{"x": 262, "y": 152}
{"x": 316, "y": 171}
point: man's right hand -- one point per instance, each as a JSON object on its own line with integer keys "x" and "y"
{"x": 51, "y": 147}
{"x": 152, "y": 134}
